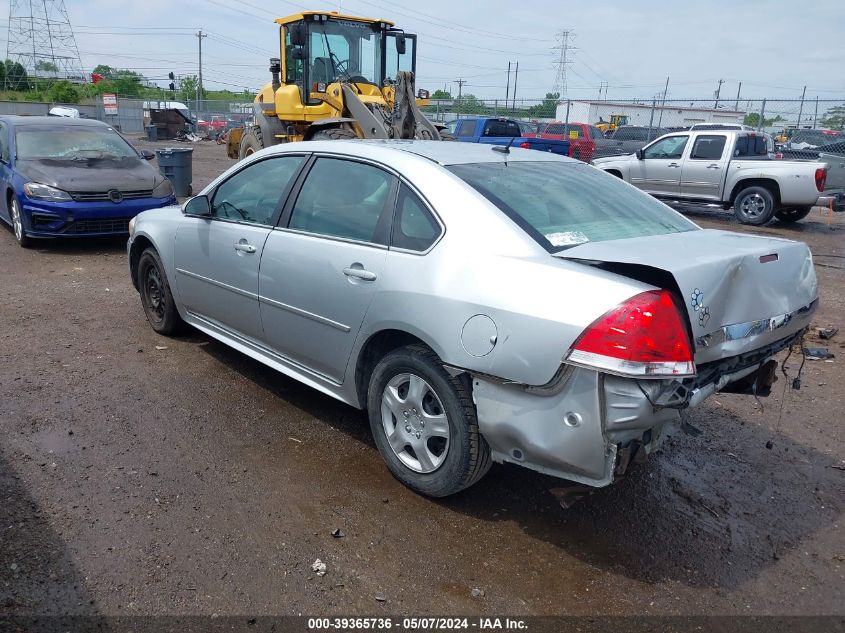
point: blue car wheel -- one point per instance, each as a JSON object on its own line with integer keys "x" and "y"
{"x": 17, "y": 223}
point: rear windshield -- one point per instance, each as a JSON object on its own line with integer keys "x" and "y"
{"x": 70, "y": 143}
{"x": 565, "y": 204}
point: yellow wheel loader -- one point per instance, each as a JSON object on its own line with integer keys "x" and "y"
{"x": 338, "y": 77}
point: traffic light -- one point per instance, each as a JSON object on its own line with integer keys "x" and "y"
{"x": 172, "y": 78}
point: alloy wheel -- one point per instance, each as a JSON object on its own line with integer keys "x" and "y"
{"x": 753, "y": 206}
{"x": 17, "y": 221}
{"x": 415, "y": 423}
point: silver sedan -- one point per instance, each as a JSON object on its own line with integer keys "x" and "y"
{"x": 480, "y": 303}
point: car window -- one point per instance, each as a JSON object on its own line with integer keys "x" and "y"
{"x": 669, "y": 147}
{"x": 555, "y": 128}
{"x": 253, "y": 193}
{"x": 71, "y": 142}
{"x": 342, "y": 198}
{"x": 752, "y": 145}
{"x": 501, "y": 128}
{"x": 709, "y": 147}
{"x": 562, "y": 204}
{"x": 451, "y": 125}
{"x": 467, "y": 128}
{"x": 413, "y": 226}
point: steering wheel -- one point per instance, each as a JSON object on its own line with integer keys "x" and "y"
{"x": 340, "y": 67}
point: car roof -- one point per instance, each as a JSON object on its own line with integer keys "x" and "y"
{"x": 441, "y": 152}
{"x": 16, "y": 120}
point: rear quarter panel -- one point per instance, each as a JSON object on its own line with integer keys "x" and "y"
{"x": 795, "y": 179}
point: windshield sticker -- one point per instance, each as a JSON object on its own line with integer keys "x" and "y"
{"x": 567, "y": 238}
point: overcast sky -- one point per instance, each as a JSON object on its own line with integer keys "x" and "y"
{"x": 774, "y": 47}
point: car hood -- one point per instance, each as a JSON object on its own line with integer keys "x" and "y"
{"x": 740, "y": 292}
{"x": 612, "y": 159}
{"x": 125, "y": 174}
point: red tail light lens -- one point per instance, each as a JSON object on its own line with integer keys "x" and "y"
{"x": 643, "y": 337}
{"x": 525, "y": 145}
{"x": 821, "y": 177}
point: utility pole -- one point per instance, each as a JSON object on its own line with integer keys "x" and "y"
{"x": 508, "y": 88}
{"x": 801, "y": 109}
{"x": 663, "y": 102}
{"x": 200, "y": 37}
{"x": 457, "y": 101}
{"x": 738, "y": 90}
{"x": 816, "y": 113}
{"x": 564, "y": 59}
{"x": 718, "y": 91}
{"x": 515, "y": 79}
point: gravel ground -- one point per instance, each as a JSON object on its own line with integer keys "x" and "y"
{"x": 144, "y": 475}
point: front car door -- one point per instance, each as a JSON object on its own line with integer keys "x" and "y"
{"x": 659, "y": 172}
{"x": 703, "y": 170}
{"x": 5, "y": 170}
{"x": 321, "y": 267}
{"x": 217, "y": 257}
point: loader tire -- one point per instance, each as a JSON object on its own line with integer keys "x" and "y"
{"x": 251, "y": 141}
{"x": 334, "y": 134}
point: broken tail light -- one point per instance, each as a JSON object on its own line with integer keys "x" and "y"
{"x": 821, "y": 177}
{"x": 525, "y": 145}
{"x": 643, "y": 337}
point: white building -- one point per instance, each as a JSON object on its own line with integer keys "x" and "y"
{"x": 669, "y": 115}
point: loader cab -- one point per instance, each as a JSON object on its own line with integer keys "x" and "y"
{"x": 324, "y": 48}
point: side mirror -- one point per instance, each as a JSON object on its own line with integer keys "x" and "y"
{"x": 400, "y": 43}
{"x": 640, "y": 154}
{"x": 198, "y": 206}
{"x": 298, "y": 34}
{"x": 146, "y": 154}
{"x": 299, "y": 53}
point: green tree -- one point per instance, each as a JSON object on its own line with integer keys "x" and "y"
{"x": 63, "y": 92}
{"x": 469, "y": 104}
{"x": 188, "y": 88}
{"x": 441, "y": 94}
{"x": 16, "y": 77}
{"x": 834, "y": 118}
{"x": 547, "y": 108}
{"x": 753, "y": 119}
{"x": 46, "y": 66}
{"x": 106, "y": 71}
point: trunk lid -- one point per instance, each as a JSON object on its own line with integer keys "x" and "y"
{"x": 740, "y": 292}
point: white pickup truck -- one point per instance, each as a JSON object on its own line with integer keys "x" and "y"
{"x": 730, "y": 167}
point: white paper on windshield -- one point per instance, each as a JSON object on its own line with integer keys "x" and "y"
{"x": 567, "y": 238}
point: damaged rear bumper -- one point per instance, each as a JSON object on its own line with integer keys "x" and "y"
{"x": 587, "y": 426}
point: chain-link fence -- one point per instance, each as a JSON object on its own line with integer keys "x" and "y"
{"x": 770, "y": 115}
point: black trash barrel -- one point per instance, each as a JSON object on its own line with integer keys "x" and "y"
{"x": 175, "y": 164}
{"x": 152, "y": 133}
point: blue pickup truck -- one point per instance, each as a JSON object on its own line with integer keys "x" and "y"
{"x": 500, "y": 131}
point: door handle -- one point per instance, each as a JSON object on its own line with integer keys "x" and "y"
{"x": 713, "y": 166}
{"x": 243, "y": 247}
{"x": 359, "y": 273}
{"x": 673, "y": 165}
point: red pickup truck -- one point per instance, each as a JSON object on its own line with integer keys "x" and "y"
{"x": 581, "y": 137}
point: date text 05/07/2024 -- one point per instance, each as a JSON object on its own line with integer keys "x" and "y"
{"x": 416, "y": 624}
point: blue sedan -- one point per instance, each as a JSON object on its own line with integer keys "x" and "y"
{"x": 65, "y": 178}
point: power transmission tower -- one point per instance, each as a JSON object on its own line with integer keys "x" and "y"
{"x": 41, "y": 39}
{"x": 564, "y": 45}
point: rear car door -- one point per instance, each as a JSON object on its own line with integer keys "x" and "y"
{"x": 659, "y": 172}
{"x": 703, "y": 169}
{"x": 217, "y": 257}
{"x": 5, "y": 171}
{"x": 321, "y": 267}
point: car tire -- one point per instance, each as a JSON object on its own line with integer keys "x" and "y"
{"x": 252, "y": 141}
{"x": 334, "y": 134}
{"x": 18, "y": 229}
{"x": 793, "y": 215}
{"x": 408, "y": 388}
{"x": 754, "y": 205}
{"x": 156, "y": 297}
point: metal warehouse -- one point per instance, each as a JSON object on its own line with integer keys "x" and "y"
{"x": 645, "y": 113}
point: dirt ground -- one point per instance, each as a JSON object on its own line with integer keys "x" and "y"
{"x": 145, "y": 475}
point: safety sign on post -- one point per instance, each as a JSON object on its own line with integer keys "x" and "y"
{"x": 110, "y": 103}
